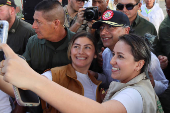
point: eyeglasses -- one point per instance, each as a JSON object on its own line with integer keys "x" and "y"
{"x": 128, "y": 6}
{"x": 79, "y": 1}
{"x": 108, "y": 28}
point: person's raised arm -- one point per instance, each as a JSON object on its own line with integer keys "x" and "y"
{"x": 6, "y": 87}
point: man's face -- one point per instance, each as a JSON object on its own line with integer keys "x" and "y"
{"x": 149, "y": 3}
{"x": 76, "y": 4}
{"x": 101, "y": 4}
{"x": 168, "y": 7}
{"x": 5, "y": 13}
{"x": 110, "y": 35}
{"x": 43, "y": 28}
{"x": 130, "y": 13}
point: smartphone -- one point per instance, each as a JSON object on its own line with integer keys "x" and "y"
{"x": 26, "y": 97}
{"x": 23, "y": 97}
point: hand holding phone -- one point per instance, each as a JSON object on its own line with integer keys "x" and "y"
{"x": 23, "y": 97}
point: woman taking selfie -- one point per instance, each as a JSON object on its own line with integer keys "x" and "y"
{"x": 131, "y": 58}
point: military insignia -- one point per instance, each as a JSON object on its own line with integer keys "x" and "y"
{"x": 107, "y": 15}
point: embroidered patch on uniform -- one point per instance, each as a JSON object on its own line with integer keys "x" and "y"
{"x": 108, "y": 15}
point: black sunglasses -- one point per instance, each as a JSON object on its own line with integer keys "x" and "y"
{"x": 128, "y": 6}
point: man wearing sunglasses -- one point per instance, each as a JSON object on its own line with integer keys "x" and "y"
{"x": 74, "y": 15}
{"x": 138, "y": 24}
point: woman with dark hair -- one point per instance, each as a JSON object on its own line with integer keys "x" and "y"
{"x": 75, "y": 76}
{"x": 133, "y": 94}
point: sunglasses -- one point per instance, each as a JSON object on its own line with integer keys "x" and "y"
{"x": 128, "y": 6}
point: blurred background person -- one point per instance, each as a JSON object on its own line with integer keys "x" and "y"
{"x": 19, "y": 8}
{"x": 112, "y": 4}
{"x": 74, "y": 16}
{"x": 152, "y": 10}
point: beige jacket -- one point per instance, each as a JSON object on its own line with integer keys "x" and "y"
{"x": 151, "y": 103}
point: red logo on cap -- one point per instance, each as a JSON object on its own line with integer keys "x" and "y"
{"x": 107, "y": 15}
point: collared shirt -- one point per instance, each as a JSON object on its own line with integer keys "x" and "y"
{"x": 155, "y": 14}
{"x": 42, "y": 55}
{"x": 141, "y": 26}
{"x": 18, "y": 36}
{"x": 70, "y": 21}
{"x": 161, "y": 83}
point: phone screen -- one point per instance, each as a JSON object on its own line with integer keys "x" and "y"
{"x": 28, "y": 96}
{"x": 3, "y": 35}
{"x": 3, "y": 31}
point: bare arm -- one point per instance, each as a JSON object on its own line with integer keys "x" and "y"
{"x": 65, "y": 96}
{"x": 6, "y": 87}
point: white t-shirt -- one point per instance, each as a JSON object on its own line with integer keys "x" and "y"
{"x": 5, "y": 106}
{"x": 155, "y": 14}
{"x": 131, "y": 100}
{"x": 88, "y": 85}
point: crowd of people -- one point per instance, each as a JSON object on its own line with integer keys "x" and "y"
{"x": 117, "y": 62}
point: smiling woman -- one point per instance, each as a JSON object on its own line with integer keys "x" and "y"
{"x": 75, "y": 76}
{"x": 129, "y": 58}
{"x": 82, "y": 50}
